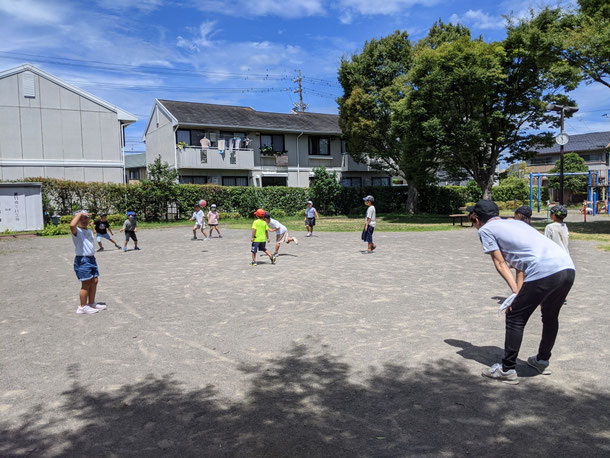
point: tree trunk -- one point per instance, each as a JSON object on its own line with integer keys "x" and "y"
{"x": 412, "y": 199}
{"x": 486, "y": 187}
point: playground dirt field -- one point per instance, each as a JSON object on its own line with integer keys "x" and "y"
{"x": 329, "y": 352}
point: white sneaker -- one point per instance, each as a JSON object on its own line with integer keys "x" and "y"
{"x": 97, "y": 306}
{"x": 495, "y": 372}
{"x": 308, "y": 234}
{"x": 295, "y": 240}
{"x": 86, "y": 310}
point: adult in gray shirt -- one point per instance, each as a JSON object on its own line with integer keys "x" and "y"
{"x": 545, "y": 274}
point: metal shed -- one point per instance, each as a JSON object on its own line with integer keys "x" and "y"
{"x": 21, "y": 207}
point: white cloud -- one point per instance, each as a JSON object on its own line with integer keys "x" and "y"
{"x": 248, "y": 8}
{"x": 121, "y": 5}
{"x": 32, "y": 11}
{"x": 478, "y": 19}
{"x": 202, "y": 39}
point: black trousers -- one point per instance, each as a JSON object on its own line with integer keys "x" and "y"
{"x": 548, "y": 292}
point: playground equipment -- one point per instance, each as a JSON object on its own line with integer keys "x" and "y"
{"x": 597, "y": 183}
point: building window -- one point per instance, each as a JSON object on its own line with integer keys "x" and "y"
{"x": 274, "y": 181}
{"x": 275, "y": 142}
{"x": 193, "y": 179}
{"x": 134, "y": 174}
{"x": 380, "y": 181}
{"x": 235, "y": 181}
{"x": 542, "y": 160}
{"x": 196, "y": 136}
{"x": 183, "y": 136}
{"x": 319, "y": 146}
{"x": 352, "y": 182}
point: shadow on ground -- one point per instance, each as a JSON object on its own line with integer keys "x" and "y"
{"x": 305, "y": 403}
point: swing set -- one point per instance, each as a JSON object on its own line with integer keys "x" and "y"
{"x": 598, "y": 190}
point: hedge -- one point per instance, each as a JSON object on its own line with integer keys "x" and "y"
{"x": 65, "y": 197}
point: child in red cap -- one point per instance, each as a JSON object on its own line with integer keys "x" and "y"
{"x": 260, "y": 235}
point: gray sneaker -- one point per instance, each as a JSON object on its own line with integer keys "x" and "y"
{"x": 540, "y": 365}
{"x": 495, "y": 372}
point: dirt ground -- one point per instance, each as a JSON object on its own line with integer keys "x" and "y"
{"x": 330, "y": 352}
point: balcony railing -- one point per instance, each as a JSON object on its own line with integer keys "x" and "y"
{"x": 192, "y": 157}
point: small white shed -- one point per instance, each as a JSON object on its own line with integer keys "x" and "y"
{"x": 21, "y": 207}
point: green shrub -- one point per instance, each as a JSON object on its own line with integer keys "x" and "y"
{"x": 473, "y": 191}
{"x": 228, "y": 215}
{"x": 276, "y": 213}
{"x": 52, "y": 229}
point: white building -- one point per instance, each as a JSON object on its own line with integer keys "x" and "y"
{"x": 49, "y": 128}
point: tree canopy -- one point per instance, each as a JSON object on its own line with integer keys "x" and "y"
{"x": 572, "y": 162}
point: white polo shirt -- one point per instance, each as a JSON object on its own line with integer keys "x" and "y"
{"x": 524, "y": 248}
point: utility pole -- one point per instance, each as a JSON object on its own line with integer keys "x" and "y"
{"x": 299, "y": 106}
{"x": 561, "y": 139}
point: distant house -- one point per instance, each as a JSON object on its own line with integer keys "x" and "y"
{"x": 49, "y": 128}
{"x": 239, "y": 146}
{"x": 135, "y": 167}
{"x": 592, "y": 147}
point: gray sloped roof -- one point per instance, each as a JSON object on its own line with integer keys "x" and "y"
{"x": 593, "y": 141}
{"x": 135, "y": 161}
{"x": 226, "y": 116}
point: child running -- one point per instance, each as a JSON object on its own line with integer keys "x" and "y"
{"x": 281, "y": 235}
{"x": 85, "y": 265}
{"x": 557, "y": 231}
{"x": 130, "y": 227}
{"x": 369, "y": 223}
{"x": 199, "y": 218}
{"x": 102, "y": 227}
{"x": 260, "y": 235}
{"x": 310, "y": 218}
{"x": 213, "y": 221}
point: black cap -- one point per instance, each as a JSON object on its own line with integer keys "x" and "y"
{"x": 560, "y": 210}
{"x": 267, "y": 215}
{"x": 525, "y": 211}
{"x": 485, "y": 210}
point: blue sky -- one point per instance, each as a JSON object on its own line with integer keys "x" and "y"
{"x": 240, "y": 52}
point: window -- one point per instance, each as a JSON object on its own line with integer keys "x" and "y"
{"x": 352, "y": 182}
{"x": 276, "y": 142}
{"x": 183, "y": 136}
{"x": 196, "y": 136}
{"x": 134, "y": 174}
{"x": 193, "y": 179}
{"x": 380, "y": 181}
{"x": 542, "y": 160}
{"x": 235, "y": 181}
{"x": 319, "y": 146}
{"x": 275, "y": 181}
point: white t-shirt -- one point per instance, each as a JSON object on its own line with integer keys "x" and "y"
{"x": 524, "y": 248}
{"x": 558, "y": 233}
{"x": 198, "y": 216}
{"x": 310, "y": 212}
{"x": 275, "y": 224}
{"x": 83, "y": 242}
{"x": 371, "y": 213}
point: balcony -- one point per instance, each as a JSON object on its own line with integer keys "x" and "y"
{"x": 348, "y": 164}
{"x": 192, "y": 157}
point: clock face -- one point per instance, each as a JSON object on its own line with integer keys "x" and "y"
{"x": 562, "y": 139}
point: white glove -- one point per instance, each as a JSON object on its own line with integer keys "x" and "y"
{"x": 507, "y": 302}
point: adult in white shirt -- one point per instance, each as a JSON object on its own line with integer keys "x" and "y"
{"x": 547, "y": 273}
{"x": 281, "y": 233}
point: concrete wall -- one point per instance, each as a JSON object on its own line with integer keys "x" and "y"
{"x": 160, "y": 138}
{"x": 55, "y": 125}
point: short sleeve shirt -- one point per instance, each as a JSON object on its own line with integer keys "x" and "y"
{"x": 310, "y": 212}
{"x": 83, "y": 242}
{"x": 198, "y": 216}
{"x": 101, "y": 227}
{"x": 558, "y": 233}
{"x": 261, "y": 228}
{"x": 213, "y": 217}
{"x": 524, "y": 248}
{"x": 275, "y": 224}
{"x": 371, "y": 213}
{"x": 130, "y": 224}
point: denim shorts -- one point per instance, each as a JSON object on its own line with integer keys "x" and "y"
{"x": 85, "y": 268}
{"x": 311, "y": 222}
{"x": 103, "y": 236}
{"x": 259, "y": 246}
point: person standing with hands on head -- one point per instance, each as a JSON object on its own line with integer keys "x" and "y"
{"x": 102, "y": 227}
{"x": 130, "y": 227}
{"x": 85, "y": 265}
{"x": 548, "y": 275}
{"x": 369, "y": 223}
{"x": 310, "y": 218}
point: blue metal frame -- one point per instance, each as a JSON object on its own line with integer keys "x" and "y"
{"x": 540, "y": 175}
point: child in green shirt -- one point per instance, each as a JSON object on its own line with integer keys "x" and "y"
{"x": 260, "y": 236}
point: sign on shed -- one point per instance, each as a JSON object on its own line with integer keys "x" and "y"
{"x": 21, "y": 207}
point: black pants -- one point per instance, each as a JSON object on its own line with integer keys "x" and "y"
{"x": 548, "y": 292}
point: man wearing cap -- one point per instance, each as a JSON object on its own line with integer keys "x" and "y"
{"x": 310, "y": 218}
{"x": 370, "y": 221}
{"x": 548, "y": 275}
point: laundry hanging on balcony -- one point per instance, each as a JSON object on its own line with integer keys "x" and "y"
{"x": 221, "y": 146}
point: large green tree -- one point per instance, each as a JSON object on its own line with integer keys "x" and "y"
{"x": 585, "y": 40}
{"x": 488, "y": 99}
{"x": 572, "y": 162}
